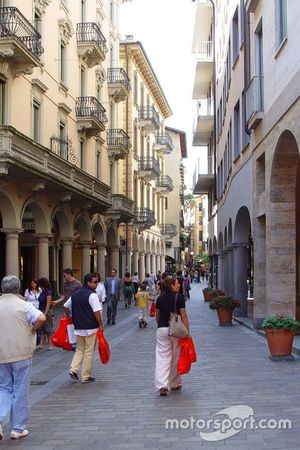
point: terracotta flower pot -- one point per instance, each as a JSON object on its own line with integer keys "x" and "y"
{"x": 280, "y": 341}
{"x": 207, "y": 297}
{"x": 225, "y": 316}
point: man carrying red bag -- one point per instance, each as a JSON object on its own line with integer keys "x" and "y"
{"x": 85, "y": 307}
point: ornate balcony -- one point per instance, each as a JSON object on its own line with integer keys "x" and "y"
{"x": 20, "y": 43}
{"x": 168, "y": 230}
{"x": 63, "y": 148}
{"x": 148, "y": 119}
{"x": 164, "y": 184}
{"x": 118, "y": 84}
{"x": 149, "y": 168}
{"x": 164, "y": 144}
{"x": 143, "y": 218}
{"x": 118, "y": 143}
{"x": 90, "y": 115}
{"x": 255, "y": 102}
{"x": 27, "y": 161}
{"x": 91, "y": 44}
{"x": 122, "y": 208}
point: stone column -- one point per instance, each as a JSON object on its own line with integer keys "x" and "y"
{"x": 240, "y": 265}
{"x": 221, "y": 271}
{"x": 162, "y": 263}
{"x": 148, "y": 262}
{"x": 43, "y": 256}
{"x": 229, "y": 271}
{"x": 101, "y": 261}
{"x": 141, "y": 270}
{"x": 136, "y": 262}
{"x": 158, "y": 263}
{"x": 85, "y": 258}
{"x": 214, "y": 271}
{"x": 67, "y": 245}
{"x": 12, "y": 252}
{"x": 260, "y": 305}
{"x": 225, "y": 271}
{"x": 114, "y": 257}
{"x": 153, "y": 264}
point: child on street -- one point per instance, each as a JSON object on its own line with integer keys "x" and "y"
{"x": 142, "y": 298}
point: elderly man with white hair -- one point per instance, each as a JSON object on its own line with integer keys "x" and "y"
{"x": 19, "y": 320}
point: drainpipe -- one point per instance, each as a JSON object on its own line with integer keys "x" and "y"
{"x": 246, "y": 58}
{"x": 127, "y": 169}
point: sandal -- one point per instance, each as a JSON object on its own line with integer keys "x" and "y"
{"x": 177, "y": 388}
{"x": 163, "y": 392}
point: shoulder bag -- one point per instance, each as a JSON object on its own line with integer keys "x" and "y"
{"x": 176, "y": 326}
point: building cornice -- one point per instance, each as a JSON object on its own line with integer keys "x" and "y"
{"x": 139, "y": 56}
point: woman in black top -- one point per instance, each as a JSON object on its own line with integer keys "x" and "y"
{"x": 167, "y": 347}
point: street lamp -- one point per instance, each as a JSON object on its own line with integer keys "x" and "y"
{"x": 191, "y": 255}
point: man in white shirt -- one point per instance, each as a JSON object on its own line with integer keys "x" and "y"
{"x": 85, "y": 307}
{"x": 19, "y": 320}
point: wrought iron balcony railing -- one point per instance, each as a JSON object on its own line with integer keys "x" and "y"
{"x": 143, "y": 217}
{"x": 90, "y": 107}
{"x": 165, "y": 183}
{"x": 63, "y": 148}
{"x": 168, "y": 229}
{"x": 149, "y": 165}
{"x": 149, "y": 113}
{"x": 118, "y": 76}
{"x": 117, "y": 138}
{"x": 165, "y": 141}
{"x": 90, "y": 32}
{"x": 14, "y": 24}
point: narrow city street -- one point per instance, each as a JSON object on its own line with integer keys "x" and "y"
{"x": 122, "y": 411}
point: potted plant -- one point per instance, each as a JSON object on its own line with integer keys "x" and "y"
{"x": 280, "y": 332}
{"x": 224, "y": 304}
{"x": 210, "y": 293}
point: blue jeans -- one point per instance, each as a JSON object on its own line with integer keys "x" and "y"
{"x": 14, "y": 392}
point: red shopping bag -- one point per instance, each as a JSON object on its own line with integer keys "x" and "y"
{"x": 103, "y": 347}
{"x": 193, "y": 354}
{"x": 184, "y": 361}
{"x": 152, "y": 309}
{"x": 60, "y": 337}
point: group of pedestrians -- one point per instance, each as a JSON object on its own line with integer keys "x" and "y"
{"x": 20, "y": 320}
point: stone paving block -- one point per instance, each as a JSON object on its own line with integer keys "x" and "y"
{"x": 122, "y": 407}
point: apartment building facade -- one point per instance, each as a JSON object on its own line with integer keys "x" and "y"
{"x": 145, "y": 172}
{"x": 174, "y": 219}
{"x": 65, "y": 143}
{"x": 253, "y": 141}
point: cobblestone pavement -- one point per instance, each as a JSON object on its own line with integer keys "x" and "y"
{"x": 122, "y": 411}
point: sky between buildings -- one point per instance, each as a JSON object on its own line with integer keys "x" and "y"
{"x": 165, "y": 28}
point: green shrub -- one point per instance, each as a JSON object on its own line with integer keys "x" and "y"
{"x": 281, "y": 322}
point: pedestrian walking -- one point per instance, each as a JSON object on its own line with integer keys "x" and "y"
{"x": 32, "y": 293}
{"x": 135, "y": 282}
{"x": 150, "y": 283}
{"x": 167, "y": 347}
{"x": 113, "y": 286}
{"x": 142, "y": 299}
{"x": 70, "y": 286}
{"x": 100, "y": 289}
{"x": 85, "y": 308}
{"x": 19, "y": 321}
{"x": 45, "y": 302}
{"x": 128, "y": 289}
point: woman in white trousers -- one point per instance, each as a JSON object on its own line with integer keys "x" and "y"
{"x": 167, "y": 348}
